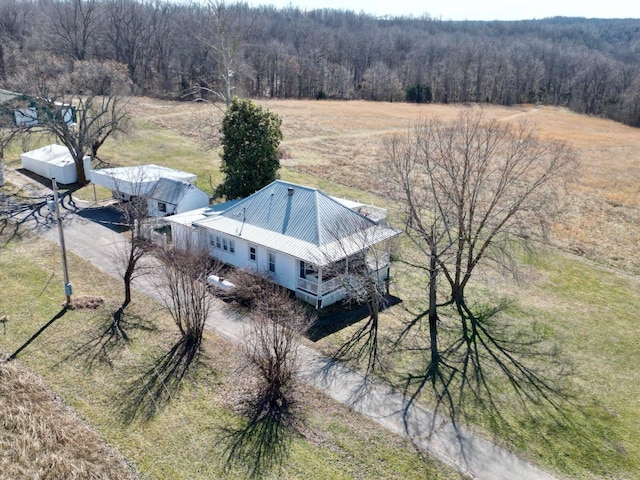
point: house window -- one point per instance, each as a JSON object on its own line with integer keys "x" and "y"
{"x": 252, "y": 253}
{"x": 162, "y": 207}
{"x": 307, "y": 269}
{"x": 272, "y": 262}
{"x": 223, "y": 243}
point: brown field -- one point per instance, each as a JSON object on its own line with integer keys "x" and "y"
{"x": 342, "y": 142}
{"x": 42, "y": 438}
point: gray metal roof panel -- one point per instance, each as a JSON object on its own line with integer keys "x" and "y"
{"x": 297, "y": 211}
{"x": 304, "y": 223}
{"x": 169, "y": 191}
{"x": 297, "y": 248}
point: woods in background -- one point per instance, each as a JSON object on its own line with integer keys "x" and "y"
{"x": 214, "y": 50}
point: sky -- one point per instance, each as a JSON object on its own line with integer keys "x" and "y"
{"x": 474, "y": 9}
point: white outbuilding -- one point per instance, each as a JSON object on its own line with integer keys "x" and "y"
{"x": 170, "y": 196}
{"x": 167, "y": 191}
{"x": 51, "y": 161}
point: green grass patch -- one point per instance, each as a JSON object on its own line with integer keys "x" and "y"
{"x": 185, "y": 439}
{"x": 585, "y": 317}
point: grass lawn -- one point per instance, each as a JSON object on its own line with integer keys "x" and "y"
{"x": 186, "y": 439}
{"x": 586, "y": 316}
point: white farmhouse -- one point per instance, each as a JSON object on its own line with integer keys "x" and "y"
{"x": 300, "y": 237}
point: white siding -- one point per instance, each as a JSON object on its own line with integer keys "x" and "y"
{"x": 52, "y": 161}
{"x": 184, "y": 236}
{"x": 153, "y": 209}
{"x": 285, "y": 274}
{"x": 194, "y": 199}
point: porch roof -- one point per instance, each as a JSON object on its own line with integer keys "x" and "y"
{"x": 320, "y": 255}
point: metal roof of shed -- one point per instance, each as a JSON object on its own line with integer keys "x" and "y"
{"x": 144, "y": 174}
{"x": 53, "y": 154}
{"x": 169, "y": 191}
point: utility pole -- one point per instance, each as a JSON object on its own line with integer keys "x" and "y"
{"x": 56, "y": 207}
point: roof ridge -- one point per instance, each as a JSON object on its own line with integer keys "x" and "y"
{"x": 318, "y": 227}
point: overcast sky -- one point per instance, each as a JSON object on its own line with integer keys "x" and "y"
{"x": 475, "y": 9}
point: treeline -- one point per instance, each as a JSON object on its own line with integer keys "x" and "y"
{"x": 215, "y": 50}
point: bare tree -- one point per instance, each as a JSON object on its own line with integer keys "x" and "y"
{"x": 364, "y": 276}
{"x": 97, "y": 118}
{"x": 271, "y": 350}
{"x": 84, "y": 119}
{"x": 183, "y": 290}
{"x": 128, "y": 257}
{"x": 226, "y": 38}
{"x": 471, "y": 190}
{"x": 74, "y": 27}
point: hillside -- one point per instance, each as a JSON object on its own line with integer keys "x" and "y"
{"x": 191, "y": 50}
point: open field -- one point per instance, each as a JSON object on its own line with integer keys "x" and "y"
{"x": 586, "y": 307}
{"x": 341, "y": 142}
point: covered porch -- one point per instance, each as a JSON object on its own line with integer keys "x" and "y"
{"x": 324, "y": 285}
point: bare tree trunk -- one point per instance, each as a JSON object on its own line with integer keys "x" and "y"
{"x": 433, "y": 317}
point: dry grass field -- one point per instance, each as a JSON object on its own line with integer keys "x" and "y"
{"x": 42, "y": 438}
{"x": 343, "y": 142}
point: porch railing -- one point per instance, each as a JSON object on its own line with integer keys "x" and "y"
{"x": 312, "y": 285}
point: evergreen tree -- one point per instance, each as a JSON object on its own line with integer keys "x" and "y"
{"x": 250, "y": 139}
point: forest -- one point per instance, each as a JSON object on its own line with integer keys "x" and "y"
{"x": 213, "y": 51}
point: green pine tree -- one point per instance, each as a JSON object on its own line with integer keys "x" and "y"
{"x": 250, "y": 139}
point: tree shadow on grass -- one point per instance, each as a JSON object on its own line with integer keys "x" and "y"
{"x": 482, "y": 350}
{"x": 22, "y": 208}
{"x": 515, "y": 383}
{"x": 261, "y": 445}
{"x": 149, "y": 392}
{"x": 108, "y": 338}
{"x": 335, "y": 318}
{"x": 57, "y": 316}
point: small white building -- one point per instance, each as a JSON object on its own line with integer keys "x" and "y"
{"x": 51, "y": 161}
{"x": 166, "y": 190}
{"x": 136, "y": 181}
{"x": 169, "y": 197}
{"x": 301, "y": 238}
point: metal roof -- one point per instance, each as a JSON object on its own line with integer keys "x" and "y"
{"x": 53, "y": 154}
{"x": 145, "y": 173}
{"x": 300, "y": 221}
{"x": 169, "y": 191}
{"x": 299, "y": 212}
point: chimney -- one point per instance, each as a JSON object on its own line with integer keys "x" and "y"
{"x": 290, "y": 191}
